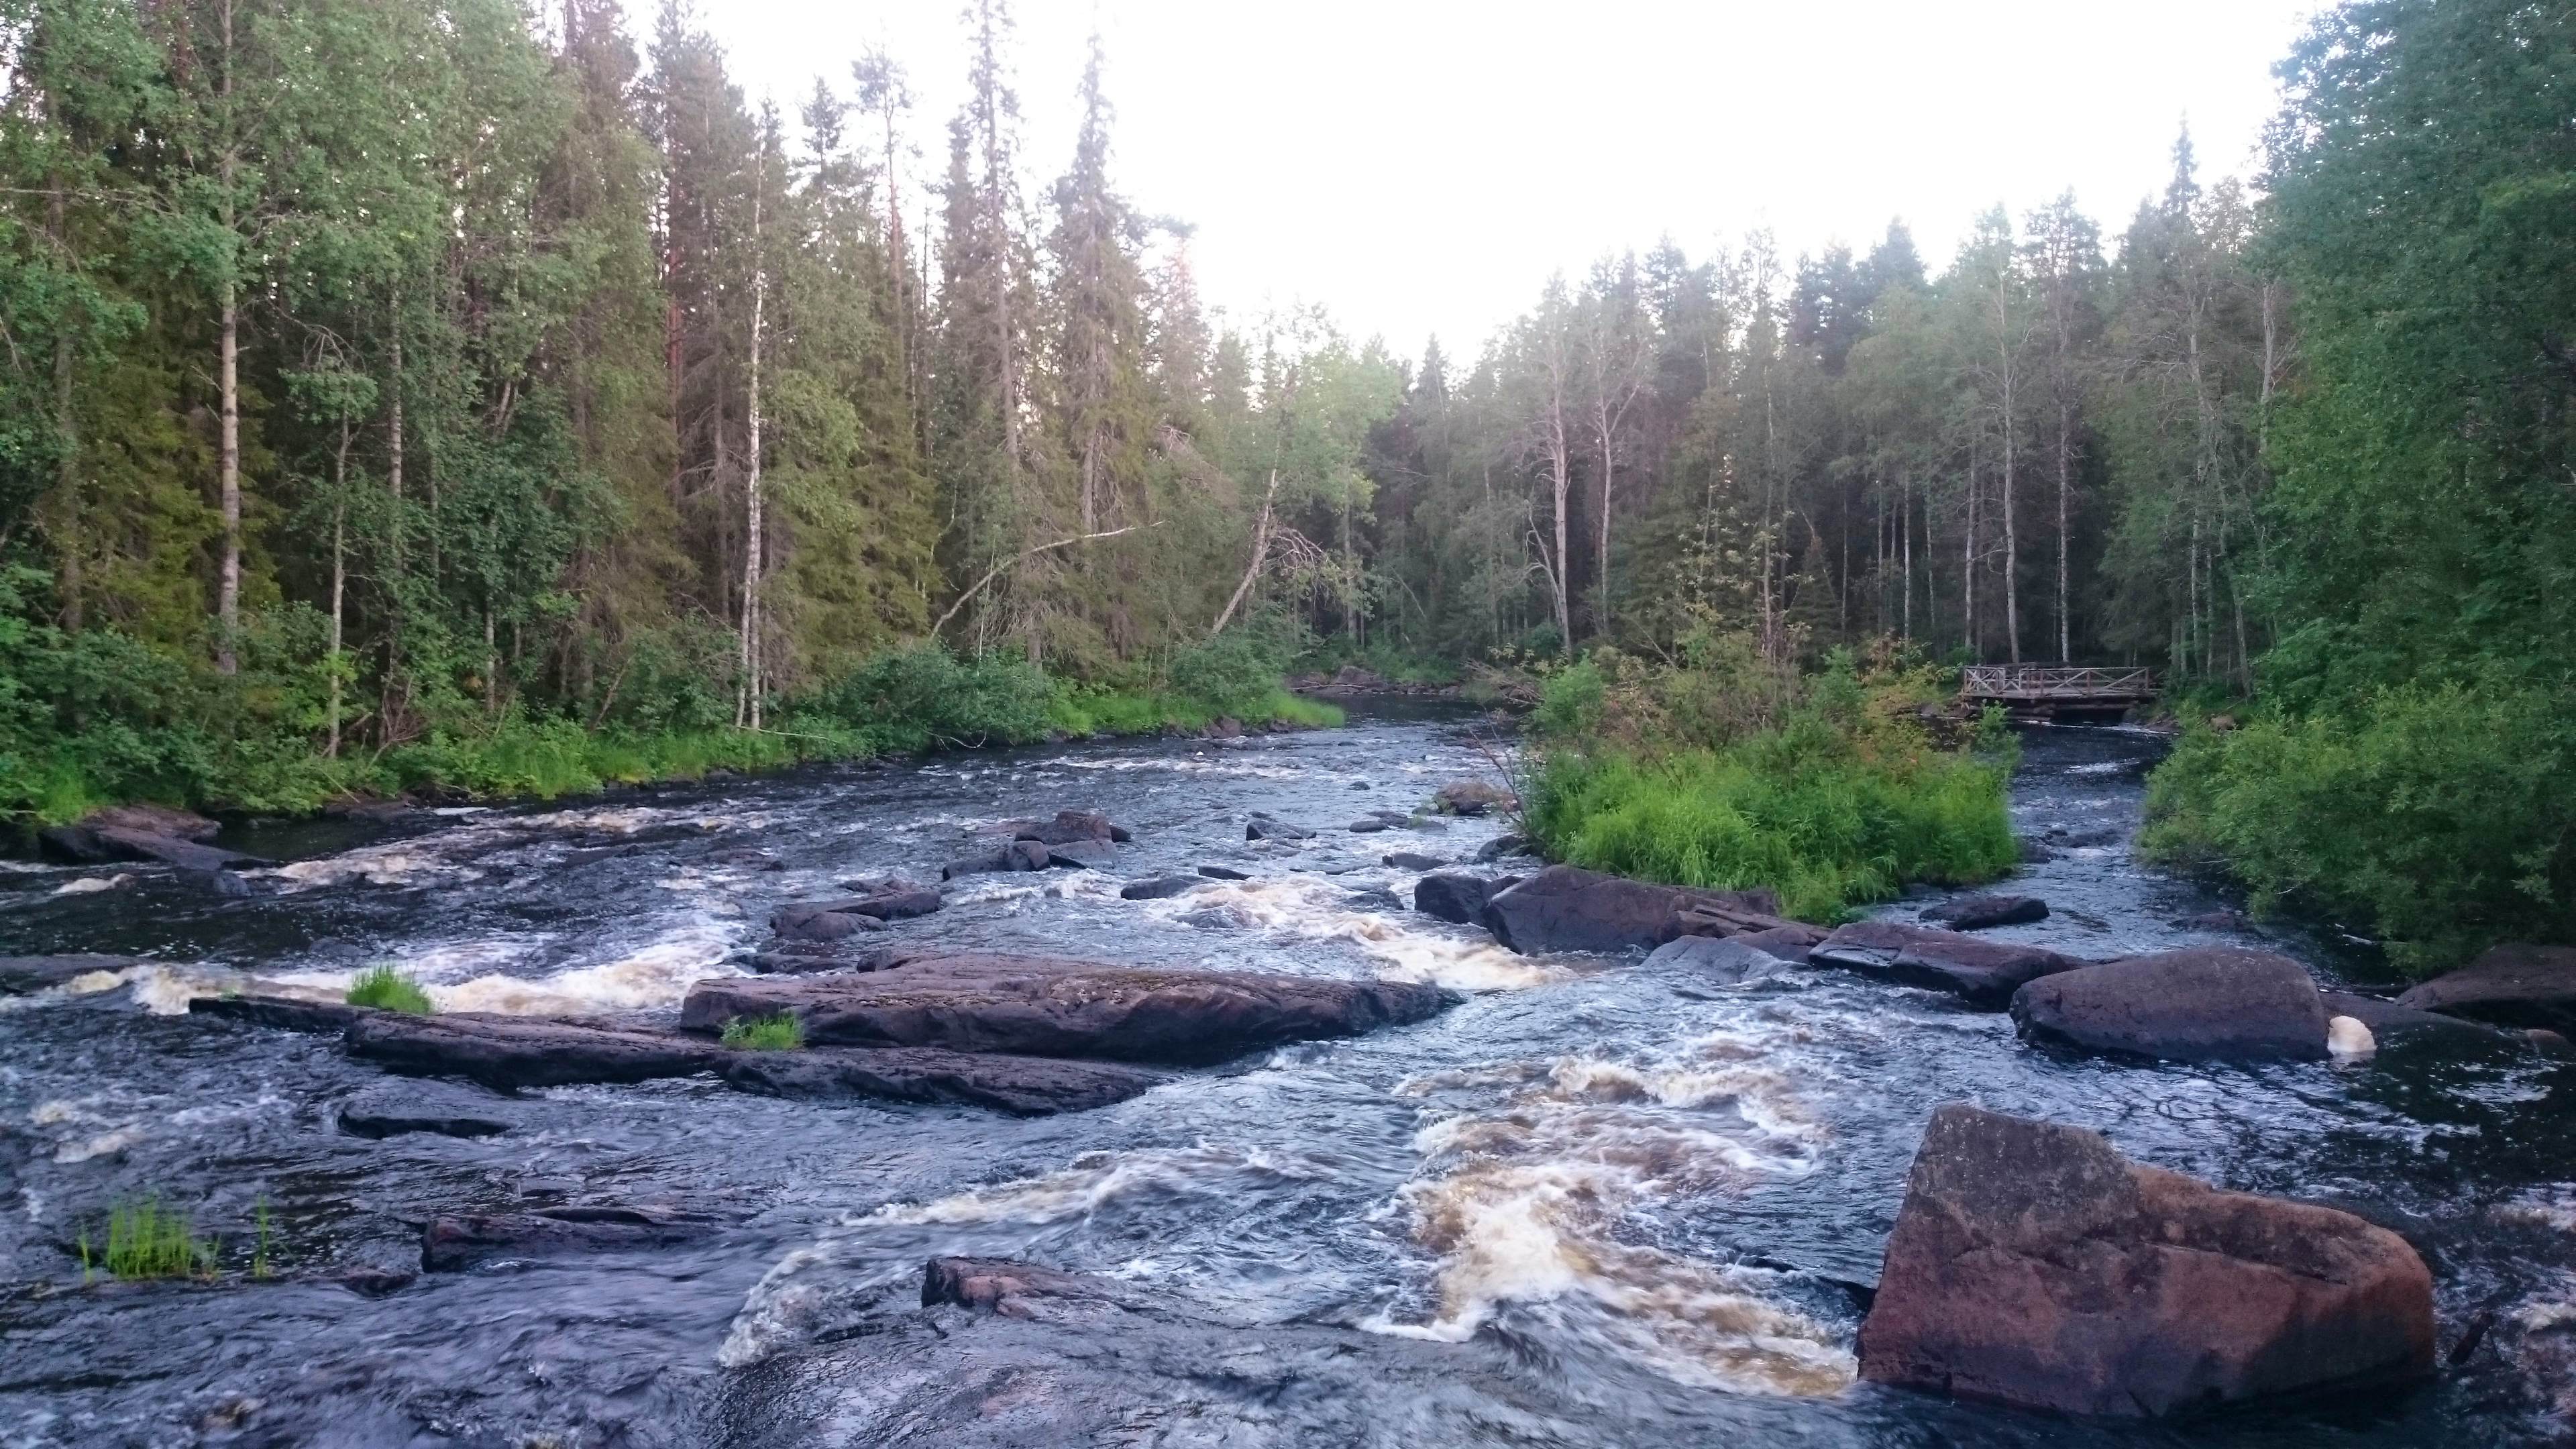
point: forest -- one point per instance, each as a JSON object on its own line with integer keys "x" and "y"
{"x": 404, "y": 393}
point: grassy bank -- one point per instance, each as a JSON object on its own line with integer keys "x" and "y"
{"x": 1826, "y": 788}
{"x": 909, "y": 703}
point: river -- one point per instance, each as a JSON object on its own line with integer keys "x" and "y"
{"x": 1592, "y": 1205}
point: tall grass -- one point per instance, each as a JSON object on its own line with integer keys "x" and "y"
{"x": 147, "y": 1240}
{"x": 782, "y": 1032}
{"x": 386, "y": 989}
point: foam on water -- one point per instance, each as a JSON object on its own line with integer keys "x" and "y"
{"x": 1317, "y": 908}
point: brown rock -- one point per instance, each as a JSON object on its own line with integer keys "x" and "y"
{"x": 1983, "y": 973}
{"x": 2512, "y": 985}
{"x": 506, "y": 1052}
{"x": 1023, "y": 1086}
{"x": 452, "y": 1244}
{"x": 1473, "y": 797}
{"x": 1980, "y": 912}
{"x": 1059, "y": 1007}
{"x": 2032, "y": 1265}
{"x": 2199, "y": 1005}
{"x": 1000, "y": 1285}
{"x": 1563, "y": 908}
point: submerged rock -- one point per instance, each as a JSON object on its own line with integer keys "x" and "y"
{"x": 1726, "y": 960}
{"x": 1023, "y": 1085}
{"x": 1977, "y": 913}
{"x": 1563, "y": 908}
{"x": 2034, "y": 1266}
{"x": 286, "y": 1013}
{"x": 1503, "y": 845}
{"x": 453, "y": 1244}
{"x": 508, "y": 1052}
{"x": 1414, "y": 860}
{"x": 22, "y": 974}
{"x": 1159, "y": 887}
{"x": 2196, "y": 1005}
{"x": 2511, "y": 985}
{"x": 1018, "y": 855}
{"x": 1985, "y": 974}
{"x": 2391, "y": 1023}
{"x": 382, "y": 1112}
{"x": 1457, "y": 896}
{"x": 818, "y": 922}
{"x": 1224, "y": 872}
{"x": 1001, "y": 1285}
{"x": 1057, "y": 1006}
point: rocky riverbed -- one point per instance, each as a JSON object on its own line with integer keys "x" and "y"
{"x": 1410, "y": 1186}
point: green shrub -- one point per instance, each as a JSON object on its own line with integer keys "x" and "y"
{"x": 2441, "y": 818}
{"x": 386, "y": 989}
{"x": 780, "y": 1033}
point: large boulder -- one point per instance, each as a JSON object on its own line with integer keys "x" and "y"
{"x": 91, "y": 844}
{"x": 1563, "y": 908}
{"x": 1059, "y": 1007}
{"x": 507, "y": 1052}
{"x": 2032, "y": 1265}
{"x": 2513, "y": 985}
{"x": 1978, "y": 912}
{"x": 86, "y": 843}
{"x": 1473, "y": 797}
{"x": 2199, "y": 1005}
{"x": 1985, "y": 974}
{"x": 1455, "y": 896}
{"x": 1024, "y": 1086}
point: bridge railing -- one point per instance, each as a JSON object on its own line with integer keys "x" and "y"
{"x": 2054, "y": 681}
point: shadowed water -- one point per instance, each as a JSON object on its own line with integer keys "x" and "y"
{"x": 1594, "y": 1204}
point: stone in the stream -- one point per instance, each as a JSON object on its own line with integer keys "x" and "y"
{"x": 22, "y": 974}
{"x": 2347, "y": 1040}
{"x": 1500, "y": 846}
{"x": 1159, "y": 887}
{"x": 2390, "y": 1023}
{"x": 1082, "y": 855}
{"x": 2034, "y": 1266}
{"x": 2195, "y": 1005}
{"x": 506, "y": 1052}
{"x": 1473, "y": 797}
{"x": 224, "y": 883}
{"x": 429, "y": 1107}
{"x": 1367, "y": 827}
{"x": 1224, "y": 872}
{"x": 1563, "y": 908}
{"x": 2511, "y": 985}
{"x": 286, "y": 1013}
{"x": 816, "y": 921}
{"x": 1070, "y": 826}
{"x": 1018, "y": 855}
{"x": 84, "y": 843}
{"x": 1058, "y": 1006}
{"x": 92, "y": 844}
{"x": 1359, "y": 784}
{"x": 1790, "y": 942}
{"x": 1415, "y": 860}
{"x": 1265, "y": 827}
{"x": 1023, "y": 1085}
{"x": 1980, "y": 912}
{"x": 808, "y": 958}
{"x": 1983, "y": 973}
{"x": 1725, "y": 960}
{"x": 1002, "y": 1285}
{"x": 889, "y": 898}
{"x": 1454, "y": 896}
{"x": 455, "y": 1243}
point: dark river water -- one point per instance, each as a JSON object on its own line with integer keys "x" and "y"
{"x": 1593, "y": 1205}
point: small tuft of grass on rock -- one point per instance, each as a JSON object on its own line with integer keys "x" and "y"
{"x": 779, "y": 1033}
{"x": 389, "y": 990}
{"x": 147, "y": 1240}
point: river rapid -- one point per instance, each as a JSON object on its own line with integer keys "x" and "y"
{"x": 1594, "y": 1204}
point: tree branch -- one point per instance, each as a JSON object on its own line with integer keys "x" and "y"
{"x": 1027, "y": 553}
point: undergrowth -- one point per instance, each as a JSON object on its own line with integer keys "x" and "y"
{"x": 145, "y": 1239}
{"x": 782, "y": 1032}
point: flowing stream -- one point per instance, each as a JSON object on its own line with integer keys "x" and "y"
{"x": 1593, "y": 1205}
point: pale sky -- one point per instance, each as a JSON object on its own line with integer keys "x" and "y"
{"x": 1423, "y": 165}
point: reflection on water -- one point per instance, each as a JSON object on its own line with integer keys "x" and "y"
{"x": 1627, "y": 1204}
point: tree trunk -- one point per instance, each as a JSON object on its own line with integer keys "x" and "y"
{"x": 2012, "y": 538}
{"x": 228, "y": 582}
{"x": 339, "y": 575}
{"x": 747, "y": 709}
{"x": 1260, "y": 550}
{"x": 66, "y": 429}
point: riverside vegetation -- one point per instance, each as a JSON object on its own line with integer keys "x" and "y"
{"x": 409, "y": 397}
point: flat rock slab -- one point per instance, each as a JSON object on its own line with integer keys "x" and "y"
{"x": 508, "y": 1052}
{"x": 1790, "y": 942}
{"x": 453, "y": 1244}
{"x": 1159, "y": 887}
{"x": 1978, "y": 913}
{"x": 424, "y": 1107}
{"x": 1724, "y": 960}
{"x": 1059, "y": 1007}
{"x": 20, "y": 975}
{"x": 2512, "y": 985}
{"x": 2034, "y": 1266}
{"x": 2389, "y": 1021}
{"x": 2201, "y": 1005}
{"x": 1021, "y": 1085}
{"x": 1563, "y": 908}
{"x": 286, "y": 1013}
{"x": 1082, "y": 855}
{"x": 1985, "y": 974}
{"x": 1224, "y": 872}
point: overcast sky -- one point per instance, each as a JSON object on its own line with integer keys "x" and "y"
{"x": 1423, "y": 165}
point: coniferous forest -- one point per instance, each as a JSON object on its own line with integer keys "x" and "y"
{"x": 402, "y": 392}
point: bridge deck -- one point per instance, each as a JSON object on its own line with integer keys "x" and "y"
{"x": 2054, "y": 687}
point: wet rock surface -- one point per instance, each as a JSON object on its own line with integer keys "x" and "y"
{"x": 286, "y": 1013}
{"x": 1454, "y": 896}
{"x": 2211, "y": 1005}
{"x": 22, "y": 974}
{"x": 1058, "y": 1006}
{"x": 1982, "y": 973}
{"x": 430, "y": 1107}
{"x": 1984, "y": 912}
{"x": 1724, "y": 960}
{"x": 1023, "y": 1085}
{"x": 1563, "y": 908}
{"x": 1159, "y": 887}
{"x": 508, "y": 1052}
{"x": 2033, "y": 1266}
{"x": 2514, "y": 985}
{"x": 454, "y": 1244}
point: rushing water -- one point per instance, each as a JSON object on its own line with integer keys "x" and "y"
{"x": 1595, "y": 1204}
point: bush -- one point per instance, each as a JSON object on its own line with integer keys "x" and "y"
{"x": 924, "y": 698}
{"x": 386, "y": 989}
{"x": 2440, "y": 818}
{"x": 779, "y": 1033}
{"x": 1233, "y": 674}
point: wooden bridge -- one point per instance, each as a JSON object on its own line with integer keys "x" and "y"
{"x": 2049, "y": 691}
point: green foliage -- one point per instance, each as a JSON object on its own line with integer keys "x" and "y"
{"x": 1233, "y": 674}
{"x": 1844, "y": 800}
{"x": 2441, "y": 818}
{"x": 146, "y": 1239}
{"x": 387, "y": 989}
{"x": 782, "y": 1032}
